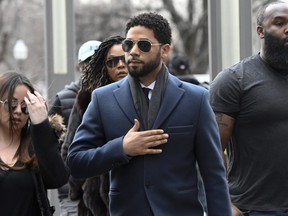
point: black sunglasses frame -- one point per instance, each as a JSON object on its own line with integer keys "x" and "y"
{"x": 23, "y": 106}
{"x": 113, "y": 62}
{"x": 143, "y": 45}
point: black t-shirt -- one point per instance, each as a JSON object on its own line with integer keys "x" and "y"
{"x": 18, "y": 194}
{"x": 258, "y": 148}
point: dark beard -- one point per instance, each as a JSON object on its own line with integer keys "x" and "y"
{"x": 276, "y": 53}
{"x": 146, "y": 69}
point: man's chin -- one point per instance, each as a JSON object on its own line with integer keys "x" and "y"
{"x": 137, "y": 73}
{"x": 134, "y": 73}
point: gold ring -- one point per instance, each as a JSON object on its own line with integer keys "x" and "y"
{"x": 32, "y": 102}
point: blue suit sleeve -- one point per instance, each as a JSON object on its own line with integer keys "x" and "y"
{"x": 90, "y": 154}
{"x": 209, "y": 157}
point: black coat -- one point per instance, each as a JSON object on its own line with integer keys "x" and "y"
{"x": 52, "y": 172}
{"x": 93, "y": 192}
{"x": 64, "y": 101}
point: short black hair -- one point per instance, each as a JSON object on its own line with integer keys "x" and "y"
{"x": 261, "y": 11}
{"x": 157, "y": 23}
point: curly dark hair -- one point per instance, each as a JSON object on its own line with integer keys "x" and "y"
{"x": 155, "y": 22}
{"x": 95, "y": 73}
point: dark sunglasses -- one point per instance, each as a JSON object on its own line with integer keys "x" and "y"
{"x": 113, "y": 62}
{"x": 143, "y": 45}
{"x": 13, "y": 106}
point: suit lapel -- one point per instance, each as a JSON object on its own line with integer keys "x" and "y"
{"x": 171, "y": 98}
{"x": 124, "y": 99}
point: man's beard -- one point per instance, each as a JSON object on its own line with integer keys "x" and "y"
{"x": 146, "y": 69}
{"x": 275, "y": 51}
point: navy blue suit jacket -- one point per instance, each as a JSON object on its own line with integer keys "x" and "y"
{"x": 165, "y": 183}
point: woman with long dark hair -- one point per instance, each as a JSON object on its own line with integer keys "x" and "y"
{"x": 107, "y": 65}
{"x": 30, "y": 161}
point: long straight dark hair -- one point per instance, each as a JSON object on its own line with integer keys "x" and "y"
{"x": 8, "y": 83}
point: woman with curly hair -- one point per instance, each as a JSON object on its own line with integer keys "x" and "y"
{"x": 106, "y": 66}
{"x": 30, "y": 161}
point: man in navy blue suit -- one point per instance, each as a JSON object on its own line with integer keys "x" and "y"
{"x": 150, "y": 147}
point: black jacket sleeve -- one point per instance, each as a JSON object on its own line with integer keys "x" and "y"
{"x": 51, "y": 165}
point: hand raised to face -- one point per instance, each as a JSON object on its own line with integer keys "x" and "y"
{"x": 36, "y": 106}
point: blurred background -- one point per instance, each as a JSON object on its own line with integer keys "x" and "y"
{"x": 36, "y": 35}
{"x": 41, "y": 38}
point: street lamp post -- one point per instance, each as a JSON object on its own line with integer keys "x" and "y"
{"x": 20, "y": 52}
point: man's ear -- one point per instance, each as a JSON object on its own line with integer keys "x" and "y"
{"x": 165, "y": 51}
{"x": 260, "y": 31}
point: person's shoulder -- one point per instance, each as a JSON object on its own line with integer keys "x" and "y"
{"x": 114, "y": 85}
{"x": 109, "y": 88}
{"x": 189, "y": 78}
{"x": 69, "y": 90}
{"x": 233, "y": 70}
{"x": 185, "y": 81}
{"x": 239, "y": 69}
{"x": 73, "y": 86}
{"x": 243, "y": 63}
{"x": 192, "y": 88}
{"x": 193, "y": 93}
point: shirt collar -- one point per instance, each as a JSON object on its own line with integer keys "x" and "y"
{"x": 151, "y": 86}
